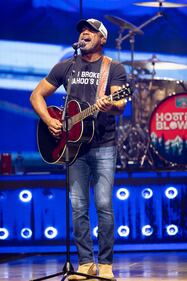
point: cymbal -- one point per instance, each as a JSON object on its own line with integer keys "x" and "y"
{"x": 123, "y": 24}
{"x": 160, "y": 3}
{"x": 156, "y": 64}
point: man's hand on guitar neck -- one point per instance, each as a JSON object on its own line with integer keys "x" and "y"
{"x": 103, "y": 104}
{"x": 116, "y": 107}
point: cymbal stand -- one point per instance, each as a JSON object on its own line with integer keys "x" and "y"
{"x": 135, "y": 129}
{"x": 120, "y": 38}
{"x": 132, "y": 41}
{"x": 131, "y": 36}
{"x": 119, "y": 41}
{"x": 153, "y": 73}
{"x": 158, "y": 15}
{"x": 147, "y": 155}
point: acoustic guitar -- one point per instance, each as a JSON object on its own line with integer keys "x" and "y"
{"x": 80, "y": 124}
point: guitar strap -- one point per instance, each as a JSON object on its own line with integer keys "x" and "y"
{"x": 104, "y": 72}
{"x": 103, "y": 78}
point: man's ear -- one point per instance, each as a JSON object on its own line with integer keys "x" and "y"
{"x": 103, "y": 41}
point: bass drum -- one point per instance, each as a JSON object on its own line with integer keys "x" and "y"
{"x": 149, "y": 92}
{"x": 168, "y": 129}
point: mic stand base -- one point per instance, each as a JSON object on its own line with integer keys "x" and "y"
{"x": 68, "y": 270}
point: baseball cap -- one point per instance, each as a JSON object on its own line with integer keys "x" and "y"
{"x": 95, "y": 24}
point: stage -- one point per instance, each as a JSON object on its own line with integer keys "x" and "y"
{"x": 150, "y": 187}
{"x": 152, "y": 266}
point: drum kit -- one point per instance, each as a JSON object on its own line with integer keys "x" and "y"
{"x": 156, "y": 135}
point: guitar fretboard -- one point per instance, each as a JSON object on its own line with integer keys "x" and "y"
{"x": 124, "y": 93}
{"x": 85, "y": 113}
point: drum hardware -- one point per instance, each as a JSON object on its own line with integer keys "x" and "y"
{"x": 152, "y": 65}
{"x": 160, "y": 4}
{"x": 150, "y": 92}
{"x": 123, "y": 24}
{"x": 147, "y": 155}
{"x": 156, "y": 63}
{"x": 134, "y": 145}
{"x": 181, "y": 83}
{"x": 133, "y": 30}
{"x": 131, "y": 144}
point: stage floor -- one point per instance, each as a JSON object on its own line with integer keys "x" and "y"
{"x": 152, "y": 266}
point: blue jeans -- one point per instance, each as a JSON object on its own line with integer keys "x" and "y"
{"x": 99, "y": 165}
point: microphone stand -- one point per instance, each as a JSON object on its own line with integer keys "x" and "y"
{"x": 68, "y": 267}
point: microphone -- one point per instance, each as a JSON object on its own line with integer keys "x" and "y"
{"x": 78, "y": 45}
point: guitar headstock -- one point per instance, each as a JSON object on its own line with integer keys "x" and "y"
{"x": 124, "y": 93}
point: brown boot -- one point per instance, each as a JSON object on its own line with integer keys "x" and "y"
{"x": 87, "y": 268}
{"x": 105, "y": 271}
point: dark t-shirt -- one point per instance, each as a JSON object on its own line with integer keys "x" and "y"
{"x": 84, "y": 87}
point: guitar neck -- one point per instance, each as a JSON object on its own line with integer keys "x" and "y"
{"x": 124, "y": 93}
{"x": 86, "y": 112}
